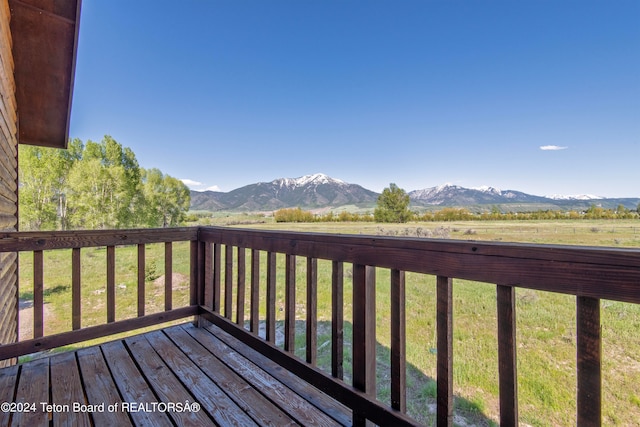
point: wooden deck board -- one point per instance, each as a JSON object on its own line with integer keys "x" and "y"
{"x": 66, "y": 386}
{"x": 8, "y": 378}
{"x": 249, "y": 399}
{"x": 136, "y": 376}
{"x": 281, "y": 385}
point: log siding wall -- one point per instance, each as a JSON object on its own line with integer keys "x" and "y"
{"x": 8, "y": 183}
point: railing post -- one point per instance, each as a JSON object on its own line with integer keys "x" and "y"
{"x": 290, "y": 304}
{"x": 254, "y": 321}
{"x": 312, "y": 310}
{"x": 398, "y": 342}
{"x": 444, "y": 320}
{"x": 38, "y": 294}
{"x": 168, "y": 276}
{"x": 337, "y": 319}
{"x": 111, "y": 284}
{"x": 507, "y": 366}
{"x": 241, "y": 286}
{"x": 141, "y": 279}
{"x": 364, "y": 333}
{"x": 216, "y": 277}
{"x": 207, "y": 254}
{"x": 589, "y": 350}
{"x": 228, "y": 281}
{"x": 76, "y": 290}
{"x": 270, "y": 329}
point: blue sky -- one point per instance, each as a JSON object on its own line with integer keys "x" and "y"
{"x": 227, "y": 93}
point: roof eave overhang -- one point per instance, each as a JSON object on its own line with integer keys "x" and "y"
{"x": 45, "y": 40}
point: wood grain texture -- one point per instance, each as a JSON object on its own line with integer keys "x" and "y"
{"x": 228, "y": 281}
{"x": 398, "y": 342}
{"x": 589, "y": 361}
{"x": 507, "y": 361}
{"x": 290, "y": 304}
{"x": 76, "y": 289}
{"x": 168, "y": 276}
{"x": 444, "y": 320}
{"x": 337, "y": 320}
{"x": 66, "y": 389}
{"x": 241, "y": 285}
{"x": 312, "y": 311}
{"x": 254, "y": 320}
{"x": 111, "y": 284}
{"x": 100, "y": 387}
{"x": 271, "y": 298}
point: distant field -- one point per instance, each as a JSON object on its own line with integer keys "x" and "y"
{"x": 615, "y": 233}
{"x": 545, "y": 321}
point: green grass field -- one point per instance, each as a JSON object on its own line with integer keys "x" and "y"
{"x": 545, "y": 321}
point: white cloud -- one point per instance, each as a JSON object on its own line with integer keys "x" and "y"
{"x": 213, "y": 188}
{"x": 191, "y": 183}
{"x": 552, "y": 147}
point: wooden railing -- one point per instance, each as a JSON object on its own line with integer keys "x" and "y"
{"x": 39, "y": 242}
{"x": 590, "y": 274}
{"x": 223, "y": 279}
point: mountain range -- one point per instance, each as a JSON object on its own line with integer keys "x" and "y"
{"x": 319, "y": 191}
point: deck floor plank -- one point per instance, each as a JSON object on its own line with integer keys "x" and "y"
{"x": 8, "y": 378}
{"x": 211, "y": 397}
{"x": 66, "y": 389}
{"x": 132, "y": 386}
{"x": 233, "y": 385}
{"x": 33, "y": 388}
{"x": 273, "y": 380}
{"x": 258, "y": 407}
{"x": 164, "y": 383}
{"x": 100, "y": 388}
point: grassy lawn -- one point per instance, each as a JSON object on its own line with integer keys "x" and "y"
{"x": 545, "y": 321}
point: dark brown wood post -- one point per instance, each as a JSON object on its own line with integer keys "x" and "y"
{"x": 337, "y": 319}
{"x": 271, "y": 297}
{"x": 254, "y": 321}
{"x": 76, "y": 290}
{"x": 507, "y": 367}
{"x": 589, "y": 352}
{"x": 141, "y": 279}
{"x": 398, "y": 342}
{"x": 111, "y": 284}
{"x": 364, "y": 334}
{"x": 242, "y": 268}
{"x": 445, "y": 351}
{"x": 168, "y": 276}
{"x": 312, "y": 310}
{"x": 228, "y": 281}
{"x": 217, "y": 248}
{"x": 290, "y": 304}
{"x": 38, "y": 294}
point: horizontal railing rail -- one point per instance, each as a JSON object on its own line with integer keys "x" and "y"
{"x": 39, "y": 242}
{"x": 230, "y": 268}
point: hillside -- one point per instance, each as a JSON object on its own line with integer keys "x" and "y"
{"x": 319, "y": 191}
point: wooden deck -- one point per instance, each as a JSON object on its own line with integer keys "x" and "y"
{"x": 182, "y": 375}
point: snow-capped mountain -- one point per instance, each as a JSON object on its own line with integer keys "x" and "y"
{"x": 321, "y": 191}
{"x": 577, "y": 197}
{"x": 454, "y": 195}
{"x": 309, "y": 191}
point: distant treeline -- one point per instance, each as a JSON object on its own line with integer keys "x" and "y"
{"x": 96, "y": 185}
{"x": 461, "y": 214}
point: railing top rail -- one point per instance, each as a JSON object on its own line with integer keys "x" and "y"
{"x": 608, "y": 273}
{"x": 43, "y": 240}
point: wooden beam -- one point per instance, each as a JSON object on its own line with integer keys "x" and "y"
{"x": 589, "y": 360}
{"x": 312, "y": 311}
{"x": 445, "y": 351}
{"x": 337, "y": 319}
{"x": 507, "y": 365}
{"x": 364, "y": 334}
{"x": 398, "y": 342}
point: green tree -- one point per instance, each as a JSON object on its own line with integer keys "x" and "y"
{"x": 166, "y": 199}
{"x": 393, "y": 205}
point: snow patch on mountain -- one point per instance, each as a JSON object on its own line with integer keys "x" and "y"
{"x": 313, "y": 179}
{"x": 575, "y": 197}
